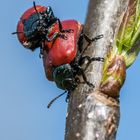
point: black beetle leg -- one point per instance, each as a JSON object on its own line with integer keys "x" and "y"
{"x": 93, "y": 39}
{"x": 97, "y": 59}
{"x": 55, "y": 35}
{"x": 80, "y": 42}
{"x": 81, "y": 72}
{"x": 82, "y": 59}
{"x": 60, "y": 25}
{"x": 77, "y": 80}
{"x": 90, "y": 60}
{"x": 85, "y": 79}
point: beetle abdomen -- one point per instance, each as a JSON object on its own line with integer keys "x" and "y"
{"x": 63, "y": 51}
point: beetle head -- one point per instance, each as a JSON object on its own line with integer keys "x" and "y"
{"x": 33, "y": 26}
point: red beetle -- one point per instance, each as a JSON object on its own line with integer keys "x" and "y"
{"x": 26, "y": 28}
{"x": 61, "y": 51}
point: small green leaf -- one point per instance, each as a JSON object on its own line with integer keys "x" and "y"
{"x": 128, "y": 35}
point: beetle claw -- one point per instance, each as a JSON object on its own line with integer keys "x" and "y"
{"x": 101, "y": 59}
{"x": 96, "y": 59}
{"x": 97, "y": 38}
{"x": 90, "y": 84}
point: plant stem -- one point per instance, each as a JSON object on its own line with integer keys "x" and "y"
{"x": 91, "y": 114}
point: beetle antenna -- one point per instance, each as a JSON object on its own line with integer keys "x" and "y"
{"x": 20, "y": 32}
{"x": 34, "y": 4}
{"x": 16, "y": 33}
{"x": 53, "y": 100}
{"x": 89, "y": 41}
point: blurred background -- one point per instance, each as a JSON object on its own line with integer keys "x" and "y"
{"x": 25, "y": 92}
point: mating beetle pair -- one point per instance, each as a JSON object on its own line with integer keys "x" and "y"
{"x": 59, "y": 43}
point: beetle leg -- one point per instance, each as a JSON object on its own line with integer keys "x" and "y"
{"x": 80, "y": 42}
{"x": 60, "y": 25}
{"x": 81, "y": 72}
{"x": 89, "y": 59}
{"x": 85, "y": 79}
{"x": 93, "y": 39}
{"x": 55, "y": 35}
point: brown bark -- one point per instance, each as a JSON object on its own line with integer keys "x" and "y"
{"x": 91, "y": 114}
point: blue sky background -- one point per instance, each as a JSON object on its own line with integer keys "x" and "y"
{"x": 25, "y": 93}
